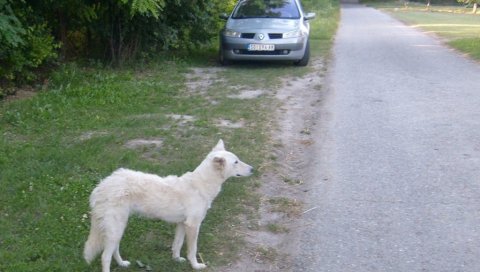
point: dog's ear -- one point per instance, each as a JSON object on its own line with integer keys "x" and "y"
{"x": 220, "y": 146}
{"x": 219, "y": 163}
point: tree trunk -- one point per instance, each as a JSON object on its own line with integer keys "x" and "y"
{"x": 114, "y": 38}
{"x": 475, "y": 5}
{"x": 62, "y": 33}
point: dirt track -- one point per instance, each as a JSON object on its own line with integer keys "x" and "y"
{"x": 269, "y": 248}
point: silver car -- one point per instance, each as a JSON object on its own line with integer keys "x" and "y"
{"x": 266, "y": 30}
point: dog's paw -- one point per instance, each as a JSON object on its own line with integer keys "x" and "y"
{"x": 124, "y": 264}
{"x": 180, "y": 259}
{"x": 198, "y": 266}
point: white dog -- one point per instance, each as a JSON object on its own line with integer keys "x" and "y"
{"x": 183, "y": 200}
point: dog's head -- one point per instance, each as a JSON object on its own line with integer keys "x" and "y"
{"x": 228, "y": 163}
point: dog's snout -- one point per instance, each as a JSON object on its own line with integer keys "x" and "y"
{"x": 247, "y": 171}
{"x": 250, "y": 170}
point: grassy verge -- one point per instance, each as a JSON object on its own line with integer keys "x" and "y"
{"x": 455, "y": 24}
{"x": 324, "y": 25}
{"x": 57, "y": 145}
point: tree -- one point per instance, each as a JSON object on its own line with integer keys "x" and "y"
{"x": 473, "y": 2}
{"x": 25, "y": 42}
{"x": 35, "y": 32}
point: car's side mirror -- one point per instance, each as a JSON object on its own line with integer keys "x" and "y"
{"x": 223, "y": 16}
{"x": 309, "y": 16}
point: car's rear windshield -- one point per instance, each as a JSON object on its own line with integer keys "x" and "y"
{"x": 286, "y": 9}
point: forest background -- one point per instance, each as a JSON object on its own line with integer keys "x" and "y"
{"x": 36, "y": 35}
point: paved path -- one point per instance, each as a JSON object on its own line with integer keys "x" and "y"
{"x": 397, "y": 182}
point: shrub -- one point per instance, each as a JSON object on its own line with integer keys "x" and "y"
{"x": 25, "y": 43}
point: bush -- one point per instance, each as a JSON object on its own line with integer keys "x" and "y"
{"x": 25, "y": 44}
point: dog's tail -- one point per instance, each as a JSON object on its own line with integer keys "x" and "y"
{"x": 94, "y": 244}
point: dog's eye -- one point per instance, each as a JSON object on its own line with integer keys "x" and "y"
{"x": 236, "y": 162}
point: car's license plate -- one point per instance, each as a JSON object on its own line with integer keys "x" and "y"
{"x": 261, "y": 47}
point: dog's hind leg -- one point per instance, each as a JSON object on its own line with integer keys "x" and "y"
{"x": 114, "y": 228}
{"x": 110, "y": 247}
{"x": 178, "y": 242}
{"x": 119, "y": 259}
{"x": 192, "y": 237}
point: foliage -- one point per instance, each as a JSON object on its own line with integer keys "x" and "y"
{"x": 146, "y": 7}
{"x": 474, "y": 3}
{"x": 10, "y": 26}
{"x": 121, "y": 30}
{"x": 32, "y": 31}
{"x": 25, "y": 42}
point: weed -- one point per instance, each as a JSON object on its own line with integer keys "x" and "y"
{"x": 276, "y": 228}
{"x": 292, "y": 181}
{"x": 291, "y": 207}
{"x": 265, "y": 254}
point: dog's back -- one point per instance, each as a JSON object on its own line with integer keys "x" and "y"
{"x": 115, "y": 198}
{"x": 146, "y": 194}
{"x": 124, "y": 183}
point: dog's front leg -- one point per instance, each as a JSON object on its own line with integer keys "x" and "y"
{"x": 192, "y": 237}
{"x": 178, "y": 242}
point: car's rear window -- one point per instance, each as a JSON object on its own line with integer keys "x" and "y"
{"x": 266, "y": 9}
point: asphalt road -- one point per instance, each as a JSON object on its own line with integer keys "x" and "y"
{"x": 396, "y": 182}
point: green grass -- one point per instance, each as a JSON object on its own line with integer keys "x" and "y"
{"x": 324, "y": 25}
{"x": 471, "y": 46}
{"x": 455, "y": 24}
{"x": 56, "y": 146}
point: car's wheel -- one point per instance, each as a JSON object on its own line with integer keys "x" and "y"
{"x": 221, "y": 56}
{"x": 306, "y": 56}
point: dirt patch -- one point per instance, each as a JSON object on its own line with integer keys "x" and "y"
{"x": 182, "y": 119}
{"x": 145, "y": 116}
{"x": 200, "y": 79}
{"x": 247, "y": 94}
{"x": 283, "y": 188}
{"x": 144, "y": 144}
{"x": 91, "y": 134}
{"x": 21, "y": 93}
{"x": 148, "y": 147}
{"x": 229, "y": 124}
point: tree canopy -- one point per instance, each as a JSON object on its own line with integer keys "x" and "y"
{"x": 34, "y": 32}
{"x": 474, "y": 3}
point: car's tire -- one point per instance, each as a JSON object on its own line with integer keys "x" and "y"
{"x": 306, "y": 56}
{"x": 221, "y": 56}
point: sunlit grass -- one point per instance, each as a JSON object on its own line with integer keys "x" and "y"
{"x": 455, "y": 24}
{"x": 472, "y": 46}
{"x": 324, "y": 25}
{"x": 447, "y": 25}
